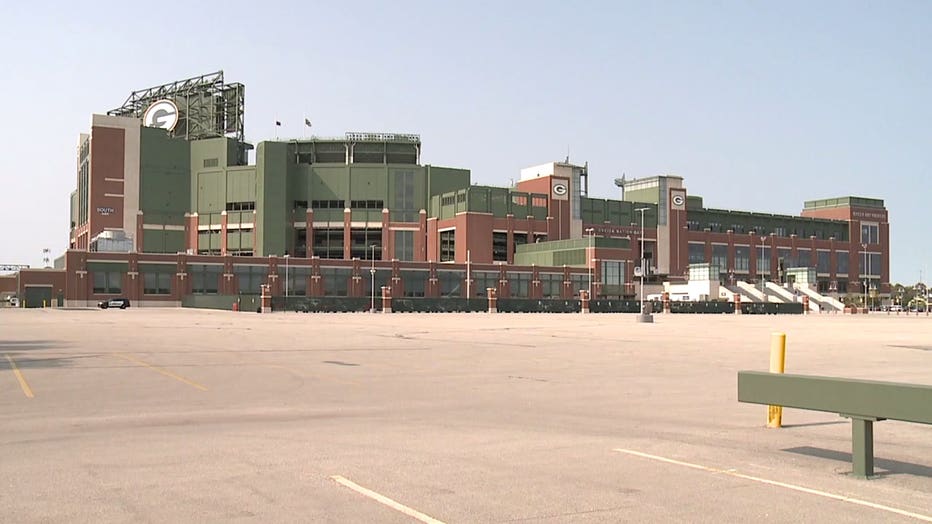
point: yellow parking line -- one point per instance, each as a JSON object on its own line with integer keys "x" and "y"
{"x": 19, "y": 376}
{"x": 163, "y": 371}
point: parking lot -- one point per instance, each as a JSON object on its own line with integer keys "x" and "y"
{"x": 187, "y": 415}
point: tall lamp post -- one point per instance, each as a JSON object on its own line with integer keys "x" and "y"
{"x": 590, "y": 231}
{"x": 866, "y": 272}
{"x": 372, "y": 280}
{"x": 644, "y": 316}
{"x": 287, "y": 256}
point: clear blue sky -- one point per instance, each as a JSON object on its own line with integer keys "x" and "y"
{"x": 758, "y": 105}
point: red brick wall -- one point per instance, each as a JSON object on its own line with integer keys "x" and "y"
{"x": 107, "y": 152}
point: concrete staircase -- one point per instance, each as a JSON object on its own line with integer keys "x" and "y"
{"x": 749, "y": 290}
{"x": 780, "y": 293}
{"x": 824, "y": 303}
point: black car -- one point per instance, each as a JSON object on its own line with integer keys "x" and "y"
{"x": 121, "y": 303}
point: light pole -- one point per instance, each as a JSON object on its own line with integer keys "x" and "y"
{"x": 866, "y": 272}
{"x": 760, "y": 265}
{"x": 287, "y": 256}
{"x": 591, "y": 258}
{"x": 372, "y": 279}
{"x": 644, "y": 316}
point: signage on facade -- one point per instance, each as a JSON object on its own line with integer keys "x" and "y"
{"x": 162, "y": 114}
{"x": 559, "y": 189}
{"x": 105, "y": 211}
{"x": 870, "y": 215}
{"x": 678, "y": 200}
{"x": 614, "y": 230}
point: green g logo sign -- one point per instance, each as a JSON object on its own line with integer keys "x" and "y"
{"x": 162, "y": 114}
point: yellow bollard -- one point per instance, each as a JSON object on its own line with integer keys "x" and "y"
{"x": 777, "y": 365}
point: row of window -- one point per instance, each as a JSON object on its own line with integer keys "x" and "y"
{"x": 780, "y": 231}
{"x": 367, "y": 204}
{"x": 822, "y": 261}
{"x": 241, "y": 206}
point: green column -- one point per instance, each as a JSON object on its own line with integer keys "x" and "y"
{"x": 862, "y": 447}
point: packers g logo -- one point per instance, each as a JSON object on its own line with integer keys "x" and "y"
{"x": 678, "y": 200}
{"x": 162, "y": 114}
{"x": 559, "y": 189}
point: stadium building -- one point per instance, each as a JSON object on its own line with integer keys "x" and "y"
{"x": 169, "y": 210}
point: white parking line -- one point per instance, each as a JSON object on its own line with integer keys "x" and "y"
{"x": 730, "y": 472}
{"x": 413, "y": 513}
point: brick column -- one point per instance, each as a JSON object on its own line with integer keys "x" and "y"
{"x": 347, "y": 219}
{"x": 386, "y": 299}
{"x": 139, "y": 233}
{"x": 224, "y": 221}
{"x": 190, "y": 225}
{"x": 388, "y": 243}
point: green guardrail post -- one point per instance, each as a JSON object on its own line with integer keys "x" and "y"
{"x": 862, "y": 447}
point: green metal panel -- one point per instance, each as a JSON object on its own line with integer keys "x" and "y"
{"x": 851, "y": 397}
{"x": 210, "y": 192}
{"x": 478, "y": 199}
{"x": 329, "y": 183}
{"x": 241, "y": 184}
{"x": 164, "y": 182}
{"x": 844, "y": 202}
{"x": 446, "y": 179}
{"x": 209, "y": 301}
{"x": 369, "y": 183}
{"x": 402, "y": 210}
{"x": 272, "y": 212}
{"x": 299, "y": 181}
{"x": 233, "y": 239}
{"x": 159, "y": 241}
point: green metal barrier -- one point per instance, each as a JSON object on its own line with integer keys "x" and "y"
{"x": 771, "y": 308}
{"x": 324, "y": 304}
{"x": 863, "y": 401}
{"x": 702, "y": 307}
{"x": 439, "y": 305}
{"x": 530, "y": 305}
{"x": 604, "y": 305}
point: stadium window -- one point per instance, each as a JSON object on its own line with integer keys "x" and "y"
{"x": 249, "y": 279}
{"x": 108, "y": 282}
{"x": 520, "y": 239}
{"x": 870, "y": 234}
{"x": 499, "y": 246}
{"x": 241, "y": 206}
{"x": 404, "y": 245}
{"x": 696, "y": 253}
{"x": 447, "y": 245}
{"x": 205, "y": 279}
{"x": 742, "y": 259}
{"x": 157, "y": 283}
